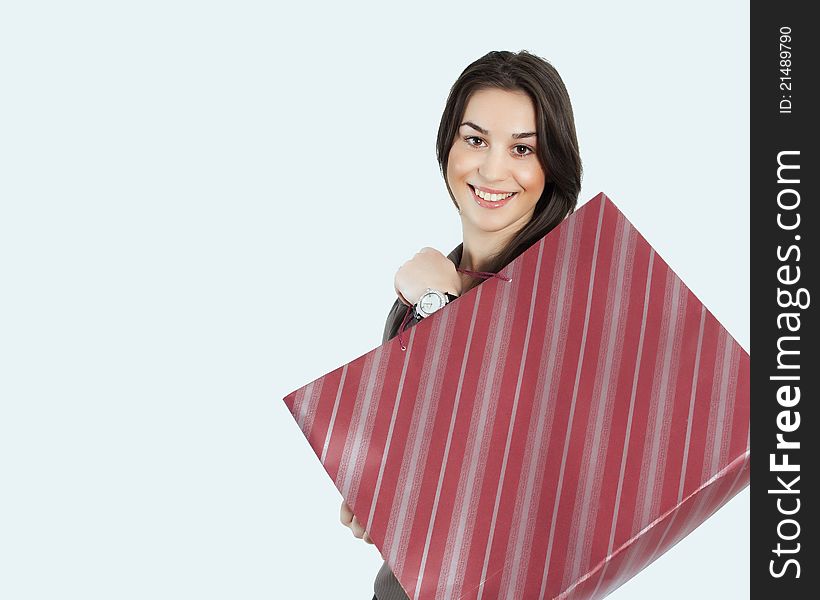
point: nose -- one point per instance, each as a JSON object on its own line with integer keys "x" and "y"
{"x": 494, "y": 166}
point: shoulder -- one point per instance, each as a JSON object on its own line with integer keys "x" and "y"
{"x": 455, "y": 255}
{"x": 394, "y": 319}
{"x": 400, "y": 309}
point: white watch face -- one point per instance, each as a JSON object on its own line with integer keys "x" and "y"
{"x": 430, "y": 303}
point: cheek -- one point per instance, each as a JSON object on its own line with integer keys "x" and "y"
{"x": 532, "y": 179}
{"x": 457, "y": 165}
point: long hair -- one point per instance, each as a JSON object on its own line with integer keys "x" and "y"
{"x": 556, "y": 148}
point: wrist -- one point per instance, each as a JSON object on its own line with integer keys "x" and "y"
{"x": 446, "y": 286}
{"x": 443, "y": 289}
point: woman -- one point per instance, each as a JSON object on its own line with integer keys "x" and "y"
{"x": 508, "y": 152}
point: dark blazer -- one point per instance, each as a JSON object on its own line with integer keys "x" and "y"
{"x": 386, "y": 586}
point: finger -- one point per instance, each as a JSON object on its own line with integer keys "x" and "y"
{"x": 430, "y": 254}
{"x": 366, "y": 538}
{"x": 358, "y": 530}
{"x": 398, "y": 291}
{"x": 345, "y": 514}
{"x": 403, "y": 300}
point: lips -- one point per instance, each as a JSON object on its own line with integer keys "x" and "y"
{"x": 486, "y": 203}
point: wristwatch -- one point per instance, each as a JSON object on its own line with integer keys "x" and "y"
{"x": 431, "y": 301}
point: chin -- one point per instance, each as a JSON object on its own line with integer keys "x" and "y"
{"x": 492, "y": 224}
{"x": 495, "y": 220}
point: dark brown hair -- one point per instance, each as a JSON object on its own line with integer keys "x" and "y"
{"x": 556, "y": 148}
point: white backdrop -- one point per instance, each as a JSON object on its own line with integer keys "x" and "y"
{"x": 200, "y": 213}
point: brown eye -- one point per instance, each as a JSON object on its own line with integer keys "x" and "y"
{"x": 522, "y": 150}
{"x": 473, "y": 140}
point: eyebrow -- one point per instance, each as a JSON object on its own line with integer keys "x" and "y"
{"x": 516, "y": 136}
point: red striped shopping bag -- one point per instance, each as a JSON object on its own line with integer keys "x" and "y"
{"x": 543, "y": 437}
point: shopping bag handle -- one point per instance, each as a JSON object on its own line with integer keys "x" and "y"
{"x": 484, "y": 274}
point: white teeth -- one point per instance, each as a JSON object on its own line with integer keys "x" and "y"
{"x": 491, "y": 197}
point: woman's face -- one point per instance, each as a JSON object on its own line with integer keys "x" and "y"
{"x": 493, "y": 170}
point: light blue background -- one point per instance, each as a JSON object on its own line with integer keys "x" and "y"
{"x": 201, "y": 208}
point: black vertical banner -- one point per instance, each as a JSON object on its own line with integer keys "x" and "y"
{"x": 784, "y": 365}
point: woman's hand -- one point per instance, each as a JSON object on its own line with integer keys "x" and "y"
{"x": 349, "y": 520}
{"x": 429, "y": 268}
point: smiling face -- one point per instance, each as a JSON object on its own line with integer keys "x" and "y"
{"x": 493, "y": 171}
